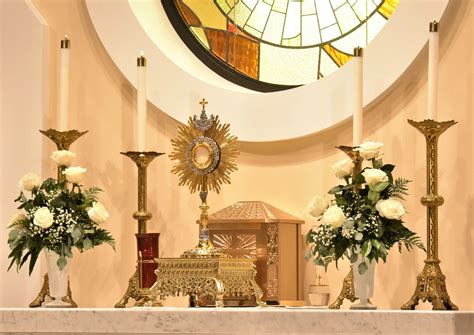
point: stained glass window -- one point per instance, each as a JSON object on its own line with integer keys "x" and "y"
{"x": 277, "y": 44}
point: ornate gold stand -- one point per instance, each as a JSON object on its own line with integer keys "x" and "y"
{"x": 203, "y": 277}
{"x": 63, "y": 140}
{"x": 347, "y": 291}
{"x": 205, "y": 248}
{"x": 134, "y": 291}
{"x": 431, "y": 283}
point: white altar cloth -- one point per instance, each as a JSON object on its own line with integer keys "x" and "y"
{"x": 231, "y": 321}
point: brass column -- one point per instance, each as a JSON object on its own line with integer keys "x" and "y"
{"x": 431, "y": 283}
{"x": 135, "y": 290}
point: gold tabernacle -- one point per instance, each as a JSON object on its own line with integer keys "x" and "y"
{"x": 255, "y": 229}
{"x": 431, "y": 283}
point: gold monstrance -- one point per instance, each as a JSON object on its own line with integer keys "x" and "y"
{"x": 204, "y": 154}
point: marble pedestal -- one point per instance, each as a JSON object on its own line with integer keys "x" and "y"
{"x": 232, "y": 321}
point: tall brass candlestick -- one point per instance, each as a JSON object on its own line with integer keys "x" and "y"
{"x": 63, "y": 140}
{"x": 147, "y": 243}
{"x": 431, "y": 283}
{"x": 348, "y": 291}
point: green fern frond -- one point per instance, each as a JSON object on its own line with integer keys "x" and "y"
{"x": 398, "y": 189}
{"x": 92, "y": 192}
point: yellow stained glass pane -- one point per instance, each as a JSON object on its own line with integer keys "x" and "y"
{"x": 310, "y": 30}
{"x": 293, "y": 21}
{"x": 337, "y": 3}
{"x": 388, "y": 7}
{"x": 280, "y": 6}
{"x": 223, "y": 5}
{"x": 199, "y": 32}
{"x": 327, "y": 65}
{"x": 259, "y": 16}
{"x": 338, "y": 57}
{"x": 308, "y": 7}
{"x": 240, "y": 14}
{"x": 208, "y": 13}
{"x": 292, "y": 42}
{"x": 291, "y": 66}
{"x": 274, "y": 28}
{"x": 325, "y": 13}
{"x": 330, "y": 33}
{"x": 349, "y": 42}
{"x": 346, "y": 18}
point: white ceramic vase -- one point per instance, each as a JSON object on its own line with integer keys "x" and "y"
{"x": 363, "y": 284}
{"x": 58, "y": 280}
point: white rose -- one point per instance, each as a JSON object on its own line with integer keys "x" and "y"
{"x": 317, "y": 206}
{"x": 343, "y": 168}
{"x": 369, "y": 150}
{"x": 16, "y": 218}
{"x": 74, "y": 174}
{"x": 334, "y": 216}
{"x": 29, "y": 181}
{"x": 43, "y": 218}
{"x": 390, "y": 209}
{"x": 63, "y": 157}
{"x": 97, "y": 213}
{"x": 374, "y": 176}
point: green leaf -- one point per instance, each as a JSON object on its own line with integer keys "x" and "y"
{"x": 362, "y": 268}
{"x": 353, "y": 258}
{"x": 87, "y": 243}
{"x": 34, "y": 257}
{"x": 62, "y": 262}
{"x": 376, "y": 244}
{"x": 387, "y": 168}
{"x": 373, "y": 196}
{"x": 377, "y": 163}
{"x": 359, "y": 179}
{"x": 366, "y": 248}
{"x": 76, "y": 235}
{"x": 335, "y": 189}
{"x": 379, "y": 187}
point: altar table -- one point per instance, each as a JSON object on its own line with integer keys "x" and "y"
{"x": 231, "y": 321}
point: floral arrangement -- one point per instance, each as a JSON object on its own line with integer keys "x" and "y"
{"x": 365, "y": 216}
{"x": 57, "y": 215}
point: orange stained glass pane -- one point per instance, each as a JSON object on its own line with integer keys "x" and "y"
{"x": 188, "y": 15}
{"x": 339, "y": 57}
{"x": 238, "y": 51}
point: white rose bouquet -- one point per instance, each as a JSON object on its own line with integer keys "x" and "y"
{"x": 56, "y": 215}
{"x": 365, "y": 217}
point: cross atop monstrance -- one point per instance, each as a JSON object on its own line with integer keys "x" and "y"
{"x": 203, "y": 103}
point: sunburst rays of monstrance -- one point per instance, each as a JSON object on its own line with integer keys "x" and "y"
{"x": 204, "y": 153}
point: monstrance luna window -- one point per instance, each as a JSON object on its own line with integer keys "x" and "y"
{"x": 270, "y": 45}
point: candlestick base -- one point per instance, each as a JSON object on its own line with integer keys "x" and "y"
{"x": 44, "y": 292}
{"x": 142, "y": 297}
{"x": 347, "y": 291}
{"x": 431, "y": 286}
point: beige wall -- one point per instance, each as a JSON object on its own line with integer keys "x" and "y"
{"x": 285, "y": 174}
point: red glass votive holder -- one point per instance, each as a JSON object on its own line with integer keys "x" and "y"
{"x": 147, "y": 251}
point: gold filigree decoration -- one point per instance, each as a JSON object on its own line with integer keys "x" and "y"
{"x": 216, "y": 277}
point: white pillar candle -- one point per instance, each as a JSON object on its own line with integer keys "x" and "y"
{"x": 64, "y": 84}
{"x": 357, "y": 118}
{"x": 433, "y": 71}
{"x": 141, "y": 101}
